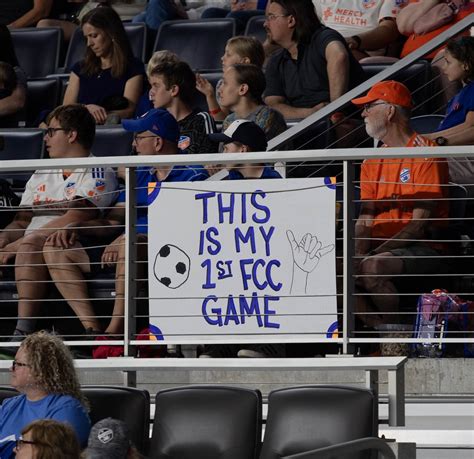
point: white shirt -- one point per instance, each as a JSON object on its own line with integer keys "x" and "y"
{"x": 48, "y": 187}
{"x": 352, "y": 17}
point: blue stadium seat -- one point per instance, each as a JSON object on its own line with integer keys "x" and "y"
{"x": 136, "y": 33}
{"x": 301, "y": 419}
{"x": 37, "y": 49}
{"x": 255, "y": 28}
{"x": 200, "y": 43}
{"x": 42, "y": 94}
{"x": 207, "y": 422}
{"x": 20, "y": 144}
{"x": 112, "y": 141}
{"x": 426, "y": 124}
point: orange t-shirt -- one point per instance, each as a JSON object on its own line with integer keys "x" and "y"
{"x": 391, "y": 183}
{"x": 414, "y": 41}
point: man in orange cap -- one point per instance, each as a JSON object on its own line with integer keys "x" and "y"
{"x": 401, "y": 202}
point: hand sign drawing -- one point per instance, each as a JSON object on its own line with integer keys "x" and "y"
{"x": 306, "y": 254}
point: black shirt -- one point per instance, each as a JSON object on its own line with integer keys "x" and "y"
{"x": 195, "y": 130}
{"x": 304, "y": 82}
{"x": 11, "y": 10}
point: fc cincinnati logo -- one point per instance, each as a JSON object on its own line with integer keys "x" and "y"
{"x": 105, "y": 435}
{"x": 405, "y": 175}
{"x": 184, "y": 142}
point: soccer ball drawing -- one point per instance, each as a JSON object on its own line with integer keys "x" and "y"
{"x": 171, "y": 266}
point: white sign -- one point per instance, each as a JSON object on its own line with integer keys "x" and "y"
{"x": 243, "y": 261}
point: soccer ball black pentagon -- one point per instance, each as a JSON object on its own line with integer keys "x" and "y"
{"x": 171, "y": 266}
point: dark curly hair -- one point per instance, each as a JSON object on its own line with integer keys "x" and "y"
{"x": 462, "y": 49}
{"x": 52, "y": 365}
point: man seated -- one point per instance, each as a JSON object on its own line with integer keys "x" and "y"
{"x": 368, "y": 27}
{"x": 156, "y": 133}
{"x": 402, "y": 201}
{"x": 53, "y": 199}
{"x": 240, "y": 137}
{"x": 314, "y": 67}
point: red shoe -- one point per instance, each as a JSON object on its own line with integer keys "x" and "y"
{"x": 104, "y": 351}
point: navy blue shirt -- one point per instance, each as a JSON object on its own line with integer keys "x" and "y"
{"x": 458, "y": 108}
{"x": 148, "y": 187}
{"x": 268, "y": 173}
{"x": 94, "y": 89}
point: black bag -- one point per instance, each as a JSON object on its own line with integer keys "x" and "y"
{"x": 8, "y": 201}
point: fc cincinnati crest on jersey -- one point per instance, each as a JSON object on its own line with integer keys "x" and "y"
{"x": 405, "y": 175}
{"x": 184, "y": 142}
{"x": 70, "y": 189}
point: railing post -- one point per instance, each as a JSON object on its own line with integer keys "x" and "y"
{"x": 348, "y": 253}
{"x": 130, "y": 310}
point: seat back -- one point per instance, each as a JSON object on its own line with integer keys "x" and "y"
{"x": 255, "y": 28}
{"x": 112, "y": 141}
{"x": 425, "y": 124}
{"x": 125, "y": 403}
{"x": 304, "y": 418}
{"x": 136, "y": 33}
{"x": 200, "y": 43}
{"x": 42, "y": 94}
{"x": 211, "y": 422}
{"x": 18, "y": 144}
{"x": 418, "y": 79}
{"x": 201, "y": 101}
{"x": 37, "y": 50}
{"x": 7, "y": 392}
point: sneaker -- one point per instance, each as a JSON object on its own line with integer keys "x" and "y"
{"x": 217, "y": 351}
{"x": 262, "y": 351}
{"x": 8, "y": 353}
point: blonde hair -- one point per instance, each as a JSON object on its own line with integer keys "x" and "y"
{"x": 52, "y": 365}
{"x": 248, "y": 47}
{"x": 53, "y": 440}
{"x": 161, "y": 57}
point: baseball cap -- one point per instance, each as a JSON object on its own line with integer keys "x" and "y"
{"x": 245, "y": 132}
{"x": 160, "y": 122}
{"x": 108, "y": 438}
{"x": 390, "y": 91}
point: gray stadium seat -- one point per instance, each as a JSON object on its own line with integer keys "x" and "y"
{"x": 112, "y": 141}
{"x": 212, "y": 422}
{"x": 200, "y": 43}
{"x": 42, "y": 94}
{"x": 136, "y": 33}
{"x": 426, "y": 124}
{"x": 37, "y": 49}
{"x": 255, "y": 28}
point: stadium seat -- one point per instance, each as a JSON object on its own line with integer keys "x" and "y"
{"x": 112, "y": 141}
{"x": 255, "y": 28}
{"x": 136, "y": 33}
{"x": 301, "y": 419}
{"x": 20, "y": 144}
{"x": 418, "y": 78}
{"x": 425, "y": 124}
{"x": 42, "y": 94}
{"x": 212, "y": 422}
{"x": 7, "y": 392}
{"x": 200, "y": 43}
{"x": 125, "y": 403}
{"x": 37, "y": 50}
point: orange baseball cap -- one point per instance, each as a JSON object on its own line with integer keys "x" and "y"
{"x": 390, "y": 91}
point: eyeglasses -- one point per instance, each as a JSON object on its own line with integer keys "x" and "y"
{"x": 136, "y": 138}
{"x": 16, "y": 364}
{"x": 51, "y": 131}
{"x": 367, "y": 107}
{"x": 20, "y": 442}
{"x": 272, "y": 17}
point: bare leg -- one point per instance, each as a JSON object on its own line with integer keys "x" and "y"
{"x": 117, "y": 321}
{"x": 385, "y": 295}
{"x": 67, "y": 269}
{"x": 68, "y": 27}
{"x": 29, "y": 269}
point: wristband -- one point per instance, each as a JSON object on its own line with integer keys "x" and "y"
{"x": 215, "y": 111}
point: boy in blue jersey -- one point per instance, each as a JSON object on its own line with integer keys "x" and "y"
{"x": 156, "y": 133}
{"x": 244, "y": 136}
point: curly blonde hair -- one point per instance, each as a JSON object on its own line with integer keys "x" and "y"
{"x": 53, "y": 440}
{"x": 52, "y": 365}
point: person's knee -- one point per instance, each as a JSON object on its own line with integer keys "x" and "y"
{"x": 53, "y": 254}
{"x": 370, "y": 268}
{"x": 30, "y": 245}
{"x": 46, "y": 23}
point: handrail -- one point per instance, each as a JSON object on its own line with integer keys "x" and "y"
{"x": 289, "y": 134}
